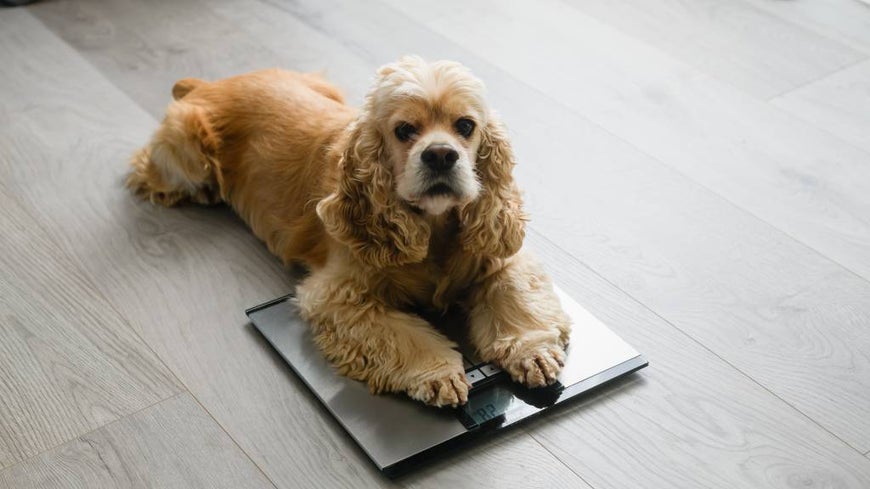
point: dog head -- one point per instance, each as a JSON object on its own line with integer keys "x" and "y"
{"x": 430, "y": 115}
{"x": 425, "y": 143}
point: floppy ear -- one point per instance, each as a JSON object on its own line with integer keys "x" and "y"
{"x": 494, "y": 224}
{"x": 364, "y": 213}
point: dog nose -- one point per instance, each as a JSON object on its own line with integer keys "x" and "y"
{"x": 439, "y": 157}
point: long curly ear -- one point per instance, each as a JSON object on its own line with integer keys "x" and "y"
{"x": 364, "y": 213}
{"x": 494, "y": 224}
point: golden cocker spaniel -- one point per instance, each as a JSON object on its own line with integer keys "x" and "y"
{"x": 408, "y": 202}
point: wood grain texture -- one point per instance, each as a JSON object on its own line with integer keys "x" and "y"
{"x": 69, "y": 362}
{"x": 689, "y": 242}
{"x": 756, "y": 298}
{"x": 781, "y": 313}
{"x": 689, "y": 420}
{"x": 750, "y": 48}
{"x": 839, "y": 103}
{"x": 173, "y": 444}
{"x": 184, "y": 278}
{"x": 512, "y": 460}
{"x": 155, "y": 42}
{"x": 846, "y": 21}
{"x": 789, "y": 173}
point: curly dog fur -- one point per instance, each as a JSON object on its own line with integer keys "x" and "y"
{"x": 349, "y": 194}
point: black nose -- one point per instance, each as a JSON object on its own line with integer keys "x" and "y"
{"x": 439, "y": 157}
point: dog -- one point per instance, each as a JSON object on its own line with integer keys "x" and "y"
{"x": 407, "y": 203}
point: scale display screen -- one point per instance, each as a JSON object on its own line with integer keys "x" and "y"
{"x": 503, "y": 402}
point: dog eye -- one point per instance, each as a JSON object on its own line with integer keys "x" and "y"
{"x": 404, "y": 131}
{"x": 464, "y": 127}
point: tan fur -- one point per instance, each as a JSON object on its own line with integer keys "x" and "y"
{"x": 334, "y": 189}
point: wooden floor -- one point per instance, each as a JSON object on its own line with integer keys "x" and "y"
{"x": 698, "y": 174}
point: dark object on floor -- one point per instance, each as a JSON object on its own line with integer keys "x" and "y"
{"x": 15, "y": 3}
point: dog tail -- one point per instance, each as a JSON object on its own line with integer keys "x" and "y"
{"x": 184, "y": 86}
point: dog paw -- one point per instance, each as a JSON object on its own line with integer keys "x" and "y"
{"x": 166, "y": 199}
{"x": 537, "y": 367}
{"x": 450, "y": 390}
{"x": 143, "y": 189}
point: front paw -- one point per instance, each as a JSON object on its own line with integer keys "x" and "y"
{"x": 535, "y": 365}
{"x": 449, "y": 388}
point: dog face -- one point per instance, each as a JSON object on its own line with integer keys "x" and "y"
{"x": 424, "y": 140}
{"x": 430, "y": 118}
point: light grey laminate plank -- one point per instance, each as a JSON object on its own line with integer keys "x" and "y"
{"x": 181, "y": 277}
{"x": 173, "y": 444}
{"x": 734, "y": 258}
{"x": 847, "y": 21}
{"x": 68, "y": 362}
{"x": 839, "y": 103}
{"x": 512, "y": 459}
{"x": 184, "y": 276}
{"x": 146, "y": 53}
{"x": 689, "y": 420}
{"x": 750, "y": 48}
{"x": 800, "y": 179}
{"x": 158, "y": 46}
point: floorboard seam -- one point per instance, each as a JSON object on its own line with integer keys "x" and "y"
{"x": 559, "y": 459}
{"x": 87, "y": 278}
{"x": 813, "y": 29}
{"x": 236, "y": 443}
{"x": 176, "y": 385}
{"x": 98, "y": 428}
{"x": 156, "y": 117}
{"x": 661, "y": 163}
{"x": 863, "y": 55}
{"x": 745, "y": 211}
{"x": 85, "y": 275}
{"x": 699, "y": 343}
{"x": 818, "y": 79}
{"x": 548, "y": 97}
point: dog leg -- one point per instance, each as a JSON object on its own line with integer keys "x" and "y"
{"x": 517, "y": 322}
{"x": 176, "y": 166}
{"x": 390, "y": 350}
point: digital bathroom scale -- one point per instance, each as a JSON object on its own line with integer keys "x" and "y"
{"x": 398, "y": 433}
